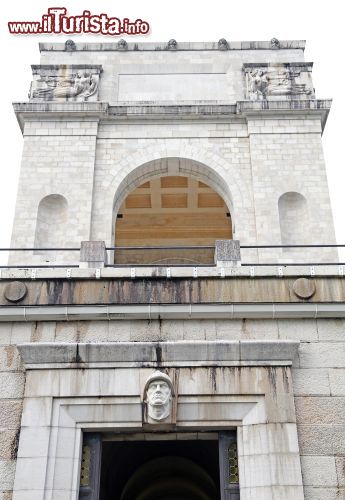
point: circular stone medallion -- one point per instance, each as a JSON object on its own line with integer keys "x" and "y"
{"x": 15, "y": 291}
{"x": 304, "y": 288}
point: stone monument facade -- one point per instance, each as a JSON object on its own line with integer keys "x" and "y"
{"x": 128, "y": 367}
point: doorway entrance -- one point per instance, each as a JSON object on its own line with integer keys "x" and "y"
{"x": 169, "y": 466}
{"x": 157, "y": 470}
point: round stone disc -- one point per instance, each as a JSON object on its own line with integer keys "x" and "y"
{"x": 304, "y": 288}
{"x": 15, "y": 291}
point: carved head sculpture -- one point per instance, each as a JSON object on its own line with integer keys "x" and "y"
{"x": 158, "y": 393}
{"x": 275, "y": 43}
{"x": 223, "y": 44}
{"x": 122, "y": 44}
{"x": 70, "y": 45}
{"x": 172, "y": 44}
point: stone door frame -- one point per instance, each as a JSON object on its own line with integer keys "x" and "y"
{"x": 98, "y": 387}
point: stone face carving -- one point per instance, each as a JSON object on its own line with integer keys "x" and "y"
{"x": 122, "y": 44}
{"x": 276, "y": 81}
{"x": 275, "y": 43}
{"x": 70, "y": 45}
{"x": 68, "y": 83}
{"x": 172, "y": 44}
{"x": 223, "y": 44}
{"x": 158, "y": 393}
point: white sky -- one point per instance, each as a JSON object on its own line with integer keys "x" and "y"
{"x": 184, "y": 20}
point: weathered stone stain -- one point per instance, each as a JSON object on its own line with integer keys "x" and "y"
{"x": 175, "y": 291}
{"x": 10, "y": 354}
{"x": 14, "y": 445}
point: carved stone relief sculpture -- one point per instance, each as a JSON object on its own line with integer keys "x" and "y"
{"x": 275, "y": 43}
{"x": 70, "y": 45}
{"x": 158, "y": 394}
{"x": 223, "y": 44}
{"x": 122, "y": 45}
{"x": 172, "y": 44}
{"x": 278, "y": 80}
{"x": 68, "y": 83}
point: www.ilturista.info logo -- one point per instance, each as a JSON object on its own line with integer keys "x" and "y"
{"x": 56, "y": 21}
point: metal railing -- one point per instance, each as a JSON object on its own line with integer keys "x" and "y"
{"x": 189, "y": 260}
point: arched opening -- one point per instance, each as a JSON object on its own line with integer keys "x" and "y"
{"x": 293, "y": 218}
{"x": 52, "y": 214}
{"x": 171, "y": 211}
{"x": 170, "y": 478}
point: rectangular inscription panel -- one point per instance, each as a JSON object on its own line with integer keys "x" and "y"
{"x": 173, "y": 87}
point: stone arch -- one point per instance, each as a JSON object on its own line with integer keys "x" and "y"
{"x": 293, "y": 218}
{"x": 52, "y": 216}
{"x": 168, "y": 166}
{"x": 173, "y": 166}
{"x": 163, "y": 228}
{"x": 222, "y": 172}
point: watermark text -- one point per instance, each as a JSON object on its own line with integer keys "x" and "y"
{"x": 57, "y": 21}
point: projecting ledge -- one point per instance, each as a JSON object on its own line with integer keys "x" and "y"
{"x": 219, "y": 353}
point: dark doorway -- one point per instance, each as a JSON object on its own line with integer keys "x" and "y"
{"x": 160, "y": 470}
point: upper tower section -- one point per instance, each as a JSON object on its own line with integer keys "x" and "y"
{"x": 173, "y": 144}
{"x": 172, "y": 72}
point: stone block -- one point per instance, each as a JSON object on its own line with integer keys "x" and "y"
{"x": 268, "y": 350}
{"x": 340, "y": 468}
{"x": 7, "y": 470}
{"x": 257, "y": 329}
{"x": 321, "y": 439}
{"x": 270, "y": 438}
{"x": 324, "y": 493}
{"x": 8, "y": 444}
{"x": 311, "y": 381}
{"x": 10, "y": 413}
{"x": 66, "y": 331}
{"x": 5, "y": 495}
{"x": 92, "y": 331}
{"x": 37, "y": 411}
{"x": 29, "y": 473}
{"x": 21, "y": 332}
{"x": 93, "y": 254}
{"x": 51, "y": 352}
{"x": 320, "y": 410}
{"x": 119, "y": 331}
{"x": 143, "y": 331}
{"x": 34, "y": 494}
{"x": 272, "y": 470}
{"x": 9, "y": 358}
{"x": 228, "y": 329}
{"x": 303, "y": 330}
{"x": 227, "y": 253}
{"x": 173, "y": 330}
{"x": 319, "y": 471}
{"x": 199, "y": 330}
{"x": 43, "y": 331}
{"x": 5, "y": 333}
{"x": 331, "y": 329}
{"x": 288, "y": 492}
{"x": 11, "y": 384}
{"x": 34, "y": 442}
{"x": 322, "y": 355}
{"x": 337, "y": 381}
{"x": 280, "y": 407}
